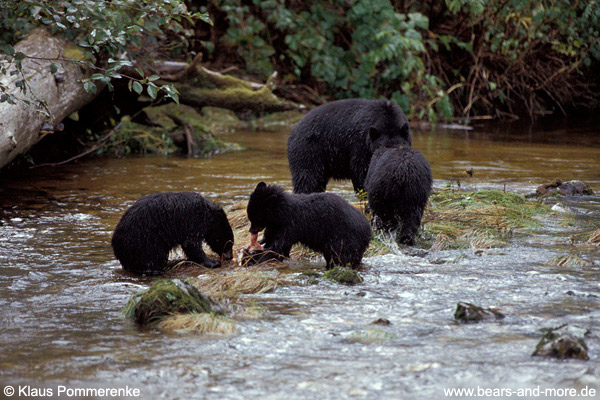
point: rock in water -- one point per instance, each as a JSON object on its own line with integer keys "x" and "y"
{"x": 167, "y": 297}
{"x": 566, "y": 188}
{"x": 563, "y": 342}
{"x": 467, "y": 312}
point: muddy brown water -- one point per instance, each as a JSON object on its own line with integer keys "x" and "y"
{"x": 62, "y": 292}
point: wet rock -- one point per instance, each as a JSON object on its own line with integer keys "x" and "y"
{"x": 165, "y": 298}
{"x": 563, "y": 342}
{"x": 410, "y": 251}
{"x": 381, "y": 321}
{"x": 560, "y": 188}
{"x": 467, "y": 312}
{"x": 345, "y": 276}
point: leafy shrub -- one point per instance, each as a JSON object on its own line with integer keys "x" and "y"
{"x": 435, "y": 58}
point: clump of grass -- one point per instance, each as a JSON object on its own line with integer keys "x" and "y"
{"x": 461, "y": 219}
{"x": 251, "y": 310}
{"x": 485, "y": 243}
{"x": 569, "y": 261}
{"x": 246, "y": 281}
{"x": 167, "y": 297}
{"x": 594, "y": 237}
{"x": 343, "y": 275}
{"x": 379, "y": 245}
{"x": 198, "y": 323}
{"x": 371, "y": 335}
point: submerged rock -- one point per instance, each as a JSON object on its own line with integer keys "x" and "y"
{"x": 381, "y": 321}
{"x": 560, "y": 188}
{"x": 343, "y": 275}
{"x": 563, "y": 342}
{"x": 467, "y": 312}
{"x": 165, "y": 298}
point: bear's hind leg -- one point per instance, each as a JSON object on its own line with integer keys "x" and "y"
{"x": 306, "y": 181}
{"x": 411, "y": 221}
{"x": 145, "y": 262}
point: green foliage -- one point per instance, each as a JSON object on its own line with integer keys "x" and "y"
{"x": 478, "y": 56}
{"x": 529, "y": 55}
{"x": 361, "y": 48}
{"x": 112, "y": 35}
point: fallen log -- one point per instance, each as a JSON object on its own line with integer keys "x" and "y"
{"x": 55, "y": 95}
{"x": 199, "y": 87}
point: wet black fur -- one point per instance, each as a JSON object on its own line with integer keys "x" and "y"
{"x": 398, "y": 185}
{"x": 324, "y": 222}
{"x": 158, "y": 222}
{"x": 335, "y": 140}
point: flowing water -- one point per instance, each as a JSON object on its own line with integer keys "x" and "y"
{"x": 62, "y": 291}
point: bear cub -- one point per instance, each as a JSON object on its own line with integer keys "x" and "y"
{"x": 324, "y": 222}
{"x": 398, "y": 185}
{"x": 158, "y": 222}
{"x": 334, "y": 140}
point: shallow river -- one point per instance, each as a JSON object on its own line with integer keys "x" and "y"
{"x": 62, "y": 291}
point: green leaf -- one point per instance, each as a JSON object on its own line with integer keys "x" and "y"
{"x": 151, "y": 91}
{"x": 87, "y": 86}
{"x": 53, "y": 68}
{"x": 137, "y": 87}
{"x": 8, "y": 49}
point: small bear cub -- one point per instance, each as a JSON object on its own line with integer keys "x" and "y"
{"x": 324, "y": 222}
{"x": 158, "y": 222}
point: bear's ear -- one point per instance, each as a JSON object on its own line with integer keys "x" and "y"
{"x": 261, "y": 185}
{"x": 374, "y": 133}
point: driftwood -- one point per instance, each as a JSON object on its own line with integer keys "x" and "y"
{"x": 56, "y": 96}
{"x": 21, "y": 125}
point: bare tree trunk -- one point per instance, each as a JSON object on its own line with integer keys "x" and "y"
{"x": 62, "y": 93}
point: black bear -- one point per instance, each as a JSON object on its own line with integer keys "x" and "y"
{"x": 336, "y": 140}
{"x": 324, "y": 222}
{"x": 158, "y": 222}
{"x": 398, "y": 185}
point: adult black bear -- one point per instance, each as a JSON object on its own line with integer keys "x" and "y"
{"x": 324, "y": 222}
{"x": 398, "y": 185}
{"x": 157, "y": 222}
{"x": 336, "y": 140}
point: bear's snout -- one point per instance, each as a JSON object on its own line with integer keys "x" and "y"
{"x": 227, "y": 255}
{"x": 254, "y": 229}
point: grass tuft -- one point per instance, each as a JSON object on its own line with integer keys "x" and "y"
{"x": 198, "y": 323}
